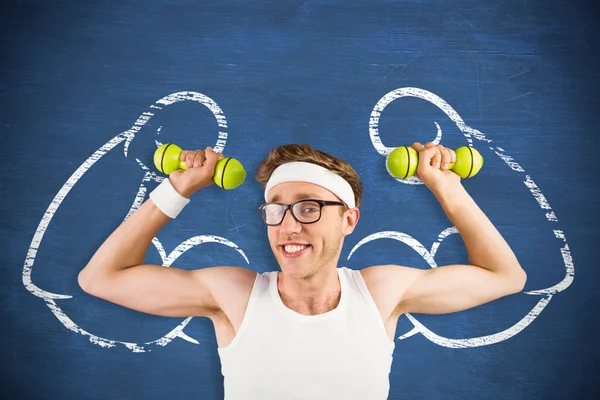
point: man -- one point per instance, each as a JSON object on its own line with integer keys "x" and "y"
{"x": 313, "y": 330}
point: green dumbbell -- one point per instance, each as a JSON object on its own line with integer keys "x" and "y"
{"x": 402, "y": 162}
{"x": 229, "y": 172}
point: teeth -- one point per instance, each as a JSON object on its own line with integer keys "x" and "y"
{"x": 294, "y": 248}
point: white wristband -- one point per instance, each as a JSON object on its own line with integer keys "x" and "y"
{"x": 167, "y": 199}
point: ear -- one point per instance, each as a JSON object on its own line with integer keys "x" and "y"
{"x": 351, "y": 218}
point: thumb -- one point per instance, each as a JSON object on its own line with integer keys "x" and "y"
{"x": 211, "y": 159}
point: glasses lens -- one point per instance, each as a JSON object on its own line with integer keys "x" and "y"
{"x": 307, "y": 211}
{"x": 273, "y": 213}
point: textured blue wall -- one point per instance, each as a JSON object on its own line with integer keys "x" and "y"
{"x": 75, "y": 76}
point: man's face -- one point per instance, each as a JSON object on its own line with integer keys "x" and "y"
{"x": 304, "y": 249}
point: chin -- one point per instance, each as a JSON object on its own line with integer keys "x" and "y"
{"x": 294, "y": 268}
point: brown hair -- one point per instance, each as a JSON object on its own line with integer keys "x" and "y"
{"x": 304, "y": 152}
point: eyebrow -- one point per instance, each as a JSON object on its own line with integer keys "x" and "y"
{"x": 300, "y": 196}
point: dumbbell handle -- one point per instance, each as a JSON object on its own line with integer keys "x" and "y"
{"x": 403, "y": 161}
{"x": 229, "y": 172}
{"x": 167, "y": 158}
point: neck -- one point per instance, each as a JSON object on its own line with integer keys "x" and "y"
{"x": 311, "y": 295}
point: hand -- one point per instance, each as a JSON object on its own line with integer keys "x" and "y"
{"x": 433, "y": 165}
{"x": 201, "y": 168}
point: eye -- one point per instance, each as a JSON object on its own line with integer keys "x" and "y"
{"x": 309, "y": 208}
{"x": 274, "y": 210}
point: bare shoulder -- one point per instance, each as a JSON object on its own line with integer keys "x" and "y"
{"x": 230, "y": 287}
{"x": 387, "y": 285}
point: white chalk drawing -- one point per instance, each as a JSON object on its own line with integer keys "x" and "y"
{"x": 127, "y": 136}
{"x": 429, "y": 256}
{"x": 167, "y": 260}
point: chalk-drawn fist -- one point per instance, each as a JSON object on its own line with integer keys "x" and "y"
{"x": 200, "y": 166}
{"x": 434, "y": 163}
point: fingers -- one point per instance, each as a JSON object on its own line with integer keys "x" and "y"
{"x": 437, "y": 156}
{"x": 193, "y": 158}
{"x": 446, "y": 157}
{"x": 183, "y": 155}
{"x": 200, "y": 158}
{"x": 417, "y": 146}
{"x": 452, "y": 156}
{"x": 429, "y": 153}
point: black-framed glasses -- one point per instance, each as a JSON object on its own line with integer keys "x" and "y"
{"x": 304, "y": 211}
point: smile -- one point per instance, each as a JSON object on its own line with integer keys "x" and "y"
{"x": 294, "y": 250}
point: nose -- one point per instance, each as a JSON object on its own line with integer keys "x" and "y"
{"x": 289, "y": 223}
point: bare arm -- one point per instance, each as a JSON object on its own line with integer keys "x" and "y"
{"x": 117, "y": 272}
{"x": 493, "y": 269}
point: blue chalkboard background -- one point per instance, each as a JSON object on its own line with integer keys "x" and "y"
{"x": 74, "y": 75}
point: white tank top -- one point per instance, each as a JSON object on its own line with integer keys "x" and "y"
{"x": 280, "y": 354}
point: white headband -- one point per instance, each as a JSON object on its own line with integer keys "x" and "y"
{"x": 299, "y": 171}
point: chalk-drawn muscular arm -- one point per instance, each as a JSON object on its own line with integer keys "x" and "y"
{"x": 493, "y": 269}
{"x": 117, "y": 272}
